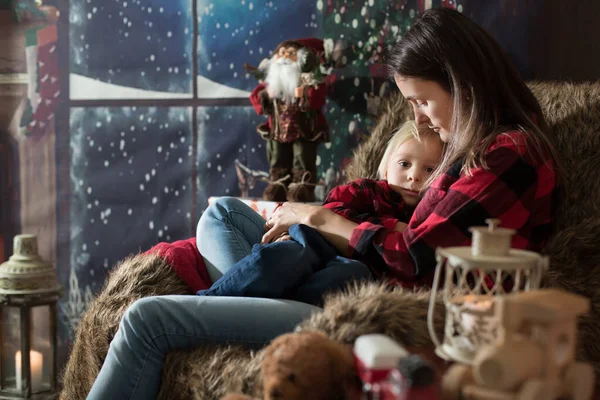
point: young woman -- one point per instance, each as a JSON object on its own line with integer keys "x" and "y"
{"x": 498, "y": 163}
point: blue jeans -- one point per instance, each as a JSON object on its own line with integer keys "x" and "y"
{"x": 153, "y": 326}
{"x": 303, "y": 269}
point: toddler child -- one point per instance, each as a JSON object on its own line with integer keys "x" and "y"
{"x": 281, "y": 269}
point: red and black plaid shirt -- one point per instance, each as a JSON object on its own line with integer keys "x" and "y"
{"x": 368, "y": 200}
{"x": 517, "y": 188}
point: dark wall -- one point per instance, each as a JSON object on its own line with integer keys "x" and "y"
{"x": 568, "y": 41}
{"x": 547, "y": 40}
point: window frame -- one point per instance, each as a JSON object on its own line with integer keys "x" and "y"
{"x": 66, "y": 104}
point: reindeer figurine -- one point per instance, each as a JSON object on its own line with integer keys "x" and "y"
{"x": 247, "y": 177}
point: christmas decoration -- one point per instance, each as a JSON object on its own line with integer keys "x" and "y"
{"x": 291, "y": 92}
{"x": 44, "y": 84}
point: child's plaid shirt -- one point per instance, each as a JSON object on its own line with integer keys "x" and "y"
{"x": 517, "y": 188}
{"x": 369, "y": 200}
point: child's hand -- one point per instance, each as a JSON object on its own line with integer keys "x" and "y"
{"x": 284, "y": 236}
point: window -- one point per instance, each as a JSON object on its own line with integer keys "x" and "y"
{"x": 157, "y": 113}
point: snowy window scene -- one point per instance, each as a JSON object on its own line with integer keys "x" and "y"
{"x": 127, "y": 192}
{"x": 146, "y": 52}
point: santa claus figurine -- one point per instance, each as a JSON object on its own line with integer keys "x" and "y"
{"x": 291, "y": 93}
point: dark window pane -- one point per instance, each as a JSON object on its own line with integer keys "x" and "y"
{"x": 224, "y": 135}
{"x": 133, "y": 44}
{"x": 131, "y": 186}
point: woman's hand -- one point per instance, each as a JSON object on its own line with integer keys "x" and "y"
{"x": 285, "y": 216}
{"x": 336, "y": 229}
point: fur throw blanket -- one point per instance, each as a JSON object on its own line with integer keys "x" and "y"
{"x": 573, "y": 113}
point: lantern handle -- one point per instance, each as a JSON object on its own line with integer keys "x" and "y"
{"x": 432, "y": 302}
{"x": 493, "y": 223}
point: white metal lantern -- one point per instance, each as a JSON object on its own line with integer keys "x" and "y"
{"x": 29, "y": 293}
{"x": 472, "y": 276}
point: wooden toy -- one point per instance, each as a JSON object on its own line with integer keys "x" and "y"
{"x": 533, "y": 355}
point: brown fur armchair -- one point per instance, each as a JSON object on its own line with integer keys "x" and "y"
{"x": 573, "y": 113}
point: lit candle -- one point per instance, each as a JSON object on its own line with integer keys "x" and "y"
{"x": 36, "y": 360}
{"x": 474, "y": 316}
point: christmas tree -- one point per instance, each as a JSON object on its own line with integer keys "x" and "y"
{"x": 363, "y": 31}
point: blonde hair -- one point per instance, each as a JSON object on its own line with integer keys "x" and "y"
{"x": 408, "y": 130}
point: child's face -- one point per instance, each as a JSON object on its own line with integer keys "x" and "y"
{"x": 410, "y": 165}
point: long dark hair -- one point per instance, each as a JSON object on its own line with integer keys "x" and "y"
{"x": 488, "y": 95}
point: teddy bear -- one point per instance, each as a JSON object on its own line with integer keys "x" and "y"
{"x": 307, "y": 365}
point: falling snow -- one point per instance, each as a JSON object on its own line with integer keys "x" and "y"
{"x": 133, "y": 42}
{"x": 115, "y": 207}
{"x": 216, "y": 170}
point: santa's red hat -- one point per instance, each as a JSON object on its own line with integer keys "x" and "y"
{"x": 315, "y": 44}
